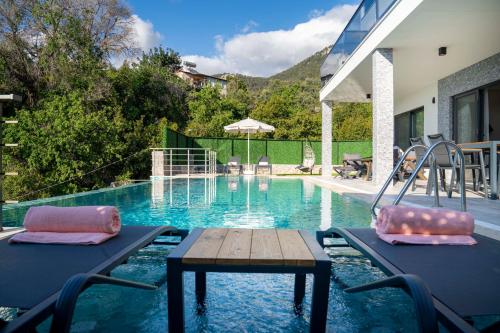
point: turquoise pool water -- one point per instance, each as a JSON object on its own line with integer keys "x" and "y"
{"x": 235, "y": 302}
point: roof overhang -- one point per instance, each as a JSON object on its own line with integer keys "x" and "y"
{"x": 415, "y": 29}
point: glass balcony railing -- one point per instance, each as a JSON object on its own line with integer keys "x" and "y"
{"x": 364, "y": 19}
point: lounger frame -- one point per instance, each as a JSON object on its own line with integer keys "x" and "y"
{"x": 37, "y": 314}
{"x": 445, "y": 315}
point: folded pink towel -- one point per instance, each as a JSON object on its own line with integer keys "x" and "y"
{"x": 427, "y": 239}
{"x": 411, "y": 225}
{"x": 75, "y": 238}
{"x": 73, "y": 219}
{"x": 69, "y": 225}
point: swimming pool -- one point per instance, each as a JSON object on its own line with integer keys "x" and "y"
{"x": 235, "y": 302}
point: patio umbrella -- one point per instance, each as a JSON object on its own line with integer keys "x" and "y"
{"x": 248, "y": 126}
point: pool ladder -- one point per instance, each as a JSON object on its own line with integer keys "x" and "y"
{"x": 433, "y": 165}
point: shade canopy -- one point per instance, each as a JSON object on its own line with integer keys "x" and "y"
{"x": 249, "y": 126}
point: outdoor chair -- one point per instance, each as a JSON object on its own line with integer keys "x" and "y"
{"x": 396, "y": 156}
{"x": 234, "y": 163}
{"x": 452, "y": 284}
{"x": 263, "y": 163}
{"x": 308, "y": 161}
{"x": 444, "y": 160}
{"x": 33, "y": 275}
{"x": 351, "y": 164}
{"x": 419, "y": 154}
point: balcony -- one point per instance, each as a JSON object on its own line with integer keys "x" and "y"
{"x": 362, "y": 22}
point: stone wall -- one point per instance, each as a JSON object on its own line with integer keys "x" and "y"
{"x": 469, "y": 78}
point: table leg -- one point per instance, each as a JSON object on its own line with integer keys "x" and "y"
{"x": 201, "y": 287}
{"x": 493, "y": 170}
{"x": 299, "y": 290}
{"x": 321, "y": 290}
{"x": 175, "y": 291}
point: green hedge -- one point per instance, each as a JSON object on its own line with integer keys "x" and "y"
{"x": 279, "y": 151}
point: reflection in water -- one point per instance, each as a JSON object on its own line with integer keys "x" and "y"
{"x": 197, "y": 191}
{"x": 308, "y": 189}
{"x": 326, "y": 208}
{"x": 252, "y": 202}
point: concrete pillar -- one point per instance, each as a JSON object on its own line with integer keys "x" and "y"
{"x": 326, "y": 139}
{"x": 383, "y": 114}
{"x": 157, "y": 164}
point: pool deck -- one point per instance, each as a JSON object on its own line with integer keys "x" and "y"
{"x": 485, "y": 211}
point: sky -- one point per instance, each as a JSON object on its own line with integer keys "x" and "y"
{"x": 251, "y": 37}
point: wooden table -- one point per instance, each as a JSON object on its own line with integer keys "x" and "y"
{"x": 248, "y": 251}
{"x": 492, "y": 146}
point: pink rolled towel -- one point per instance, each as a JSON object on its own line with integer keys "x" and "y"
{"x": 411, "y": 225}
{"x": 69, "y": 225}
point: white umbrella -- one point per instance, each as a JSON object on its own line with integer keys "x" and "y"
{"x": 248, "y": 126}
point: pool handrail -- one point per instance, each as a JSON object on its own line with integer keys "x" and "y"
{"x": 427, "y": 155}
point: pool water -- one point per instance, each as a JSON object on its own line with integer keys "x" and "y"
{"x": 235, "y": 302}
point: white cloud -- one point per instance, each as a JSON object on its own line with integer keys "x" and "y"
{"x": 144, "y": 37}
{"x": 267, "y": 53}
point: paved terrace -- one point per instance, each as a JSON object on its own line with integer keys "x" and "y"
{"x": 485, "y": 211}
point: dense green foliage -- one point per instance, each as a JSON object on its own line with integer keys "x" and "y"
{"x": 84, "y": 123}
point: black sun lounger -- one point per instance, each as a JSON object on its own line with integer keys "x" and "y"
{"x": 32, "y": 275}
{"x": 449, "y": 283}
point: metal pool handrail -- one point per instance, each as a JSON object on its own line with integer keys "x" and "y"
{"x": 419, "y": 166}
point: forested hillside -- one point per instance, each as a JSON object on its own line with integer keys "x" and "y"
{"x": 84, "y": 123}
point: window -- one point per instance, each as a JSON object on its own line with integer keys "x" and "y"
{"x": 408, "y": 125}
{"x": 476, "y": 114}
{"x": 467, "y": 118}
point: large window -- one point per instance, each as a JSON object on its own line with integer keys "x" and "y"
{"x": 476, "y": 114}
{"x": 467, "y": 118}
{"x": 408, "y": 125}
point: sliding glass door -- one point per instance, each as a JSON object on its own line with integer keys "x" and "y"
{"x": 408, "y": 125}
{"x": 467, "y": 118}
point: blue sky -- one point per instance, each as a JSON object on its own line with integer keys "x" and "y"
{"x": 254, "y": 37}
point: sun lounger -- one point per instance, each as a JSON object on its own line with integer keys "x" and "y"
{"x": 234, "y": 163}
{"x": 352, "y": 163}
{"x": 32, "y": 275}
{"x": 449, "y": 283}
{"x": 263, "y": 163}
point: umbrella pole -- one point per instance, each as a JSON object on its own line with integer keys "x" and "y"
{"x": 248, "y": 151}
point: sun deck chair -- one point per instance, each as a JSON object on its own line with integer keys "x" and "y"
{"x": 32, "y": 276}
{"x": 263, "y": 163}
{"x": 352, "y": 163}
{"x": 452, "y": 284}
{"x": 308, "y": 161}
{"x": 234, "y": 163}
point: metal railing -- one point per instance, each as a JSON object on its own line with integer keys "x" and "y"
{"x": 432, "y": 164}
{"x": 170, "y": 162}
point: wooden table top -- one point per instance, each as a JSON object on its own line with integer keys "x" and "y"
{"x": 226, "y": 246}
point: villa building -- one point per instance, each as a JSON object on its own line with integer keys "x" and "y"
{"x": 198, "y": 80}
{"x": 427, "y": 67}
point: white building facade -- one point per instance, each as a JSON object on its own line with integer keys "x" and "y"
{"x": 427, "y": 67}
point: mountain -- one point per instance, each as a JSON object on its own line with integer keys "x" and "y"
{"x": 306, "y": 69}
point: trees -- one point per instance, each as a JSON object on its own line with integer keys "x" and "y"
{"x": 291, "y": 109}
{"x": 210, "y": 112}
{"x": 61, "y": 45}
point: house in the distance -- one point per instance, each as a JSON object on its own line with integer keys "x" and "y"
{"x": 198, "y": 80}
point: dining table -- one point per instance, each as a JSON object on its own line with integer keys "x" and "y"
{"x": 491, "y": 146}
